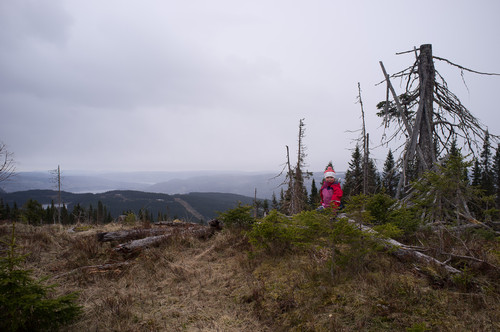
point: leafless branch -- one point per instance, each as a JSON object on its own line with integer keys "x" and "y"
{"x": 464, "y": 68}
{"x": 7, "y": 166}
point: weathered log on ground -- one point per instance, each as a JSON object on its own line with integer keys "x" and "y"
{"x": 174, "y": 223}
{"x": 197, "y": 232}
{"x": 133, "y": 234}
{"x": 403, "y": 251}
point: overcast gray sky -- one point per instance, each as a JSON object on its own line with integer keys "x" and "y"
{"x": 221, "y": 84}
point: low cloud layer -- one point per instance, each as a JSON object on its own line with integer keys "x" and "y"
{"x": 220, "y": 85}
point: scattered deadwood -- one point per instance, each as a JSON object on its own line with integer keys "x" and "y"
{"x": 196, "y": 232}
{"x": 403, "y": 251}
{"x": 131, "y": 234}
{"x": 144, "y": 238}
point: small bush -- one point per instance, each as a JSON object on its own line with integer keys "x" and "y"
{"x": 278, "y": 233}
{"x": 405, "y": 219}
{"x": 356, "y": 208}
{"x": 379, "y": 206}
{"x": 26, "y": 304}
{"x": 237, "y": 217}
{"x": 380, "y": 209}
{"x": 271, "y": 233}
{"x": 130, "y": 219}
{"x": 389, "y": 230}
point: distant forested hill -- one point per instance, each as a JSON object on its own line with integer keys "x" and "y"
{"x": 171, "y": 183}
{"x": 119, "y": 201}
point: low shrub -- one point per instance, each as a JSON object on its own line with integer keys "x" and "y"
{"x": 380, "y": 207}
{"x": 277, "y": 233}
{"x": 237, "y": 217}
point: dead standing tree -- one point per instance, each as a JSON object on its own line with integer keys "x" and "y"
{"x": 56, "y": 173}
{"x": 428, "y": 114}
{"x": 296, "y": 194}
{"x": 366, "y": 140}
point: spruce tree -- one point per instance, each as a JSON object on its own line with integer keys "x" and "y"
{"x": 445, "y": 193}
{"x": 274, "y": 202}
{"x": 496, "y": 175}
{"x": 454, "y": 153}
{"x": 8, "y": 215}
{"x": 28, "y": 304}
{"x": 65, "y": 217}
{"x": 265, "y": 206}
{"x": 487, "y": 183}
{"x": 476, "y": 174}
{"x": 78, "y": 214}
{"x": 2, "y": 210}
{"x": 284, "y": 202}
{"x": 33, "y": 212}
{"x": 373, "y": 180}
{"x": 390, "y": 176}
{"x": 354, "y": 175}
{"x": 314, "y": 196}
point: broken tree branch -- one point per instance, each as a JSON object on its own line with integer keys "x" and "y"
{"x": 463, "y": 68}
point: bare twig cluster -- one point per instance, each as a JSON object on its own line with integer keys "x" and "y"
{"x": 7, "y": 166}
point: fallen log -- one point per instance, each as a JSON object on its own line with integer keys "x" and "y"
{"x": 174, "y": 223}
{"x": 401, "y": 250}
{"x": 132, "y": 234}
{"x": 197, "y": 232}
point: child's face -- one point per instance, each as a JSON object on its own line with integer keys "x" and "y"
{"x": 329, "y": 179}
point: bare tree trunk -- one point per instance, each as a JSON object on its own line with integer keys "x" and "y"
{"x": 298, "y": 180}
{"x": 427, "y": 78}
{"x": 365, "y": 144}
{"x": 421, "y": 133}
{"x": 289, "y": 194}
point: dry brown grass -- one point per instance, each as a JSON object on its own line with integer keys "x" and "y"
{"x": 215, "y": 285}
{"x": 183, "y": 285}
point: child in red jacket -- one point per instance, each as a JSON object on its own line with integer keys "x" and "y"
{"x": 330, "y": 192}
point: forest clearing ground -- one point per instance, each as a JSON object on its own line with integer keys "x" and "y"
{"x": 190, "y": 285}
{"x": 220, "y": 284}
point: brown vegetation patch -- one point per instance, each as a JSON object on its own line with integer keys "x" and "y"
{"x": 221, "y": 284}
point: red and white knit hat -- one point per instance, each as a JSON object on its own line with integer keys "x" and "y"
{"x": 329, "y": 172}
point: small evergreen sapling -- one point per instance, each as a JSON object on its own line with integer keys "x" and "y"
{"x": 26, "y": 304}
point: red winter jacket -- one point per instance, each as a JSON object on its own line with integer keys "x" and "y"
{"x": 331, "y": 194}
